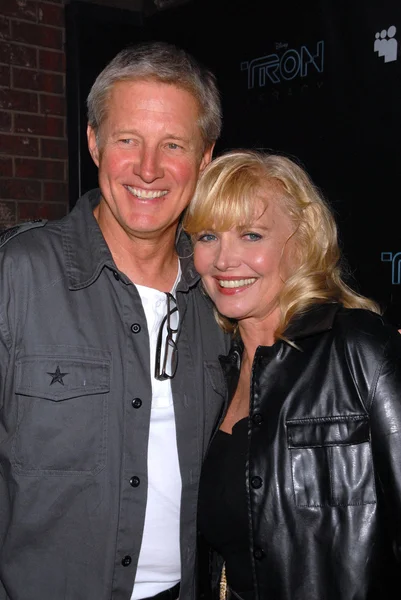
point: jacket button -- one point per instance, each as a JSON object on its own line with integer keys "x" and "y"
{"x": 256, "y": 482}
{"x": 126, "y": 561}
{"x": 137, "y": 403}
{"x": 257, "y": 419}
{"x": 134, "y": 481}
{"x": 258, "y": 553}
{"x": 135, "y": 328}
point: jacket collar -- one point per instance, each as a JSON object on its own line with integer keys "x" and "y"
{"x": 190, "y": 276}
{"x": 317, "y": 319}
{"x": 86, "y": 251}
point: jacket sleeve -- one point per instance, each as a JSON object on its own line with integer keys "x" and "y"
{"x": 385, "y": 410}
{"x": 4, "y": 352}
{"x": 3, "y": 364}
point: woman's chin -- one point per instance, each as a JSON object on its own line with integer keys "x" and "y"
{"x": 230, "y": 314}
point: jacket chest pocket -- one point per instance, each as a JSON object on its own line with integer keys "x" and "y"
{"x": 331, "y": 461}
{"x": 62, "y": 412}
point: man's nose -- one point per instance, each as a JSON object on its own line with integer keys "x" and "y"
{"x": 149, "y": 166}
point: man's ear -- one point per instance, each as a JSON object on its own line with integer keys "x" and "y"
{"x": 92, "y": 145}
{"x": 206, "y": 158}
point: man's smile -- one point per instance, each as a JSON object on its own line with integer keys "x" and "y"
{"x": 146, "y": 194}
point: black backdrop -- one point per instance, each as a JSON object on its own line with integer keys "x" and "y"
{"x": 316, "y": 80}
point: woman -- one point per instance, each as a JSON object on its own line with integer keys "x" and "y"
{"x": 300, "y": 493}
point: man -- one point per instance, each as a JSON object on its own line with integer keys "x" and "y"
{"x": 108, "y": 393}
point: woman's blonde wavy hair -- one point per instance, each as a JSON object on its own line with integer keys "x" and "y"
{"x": 225, "y": 198}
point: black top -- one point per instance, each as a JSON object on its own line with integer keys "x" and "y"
{"x": 222, "y": 512}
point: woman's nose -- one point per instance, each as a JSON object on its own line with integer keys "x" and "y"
{"x": 227, "y": 255}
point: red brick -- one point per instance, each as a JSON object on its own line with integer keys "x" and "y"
{"x": 55, "y": 192}
{"x": 53, "y": 148}
{"x": 33, "y": 210}
{"x": 27, "y": 79}
{"x": 52, "y": 105}
{"x": 20, "y": 189}
{"x": 52, "y": 61}
{"x": 37, "y": 35}
{"x": 38, "y": 125}
{"x": 7, "y": 214}
{"x": 52, "y": 83}
{"x": 5, "y": 76}
{"x": 6, "y": 166}
{"x": 16, "y": 54}
{"x": 5, "y": 52}
{"x": 20, "y": 10}
{"x": 39, "y": 169}
{"x": 5, "y": 121}
{"x": 18, "y": 100}
{"x": 51, "y": 14}
{"x": 18, "y": 145}
{"x": 4, "y": 28}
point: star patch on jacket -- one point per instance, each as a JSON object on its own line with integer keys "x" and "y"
{"x": 57, "y": 376}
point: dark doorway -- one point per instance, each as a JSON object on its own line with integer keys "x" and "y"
{"x": 303, "y": 80}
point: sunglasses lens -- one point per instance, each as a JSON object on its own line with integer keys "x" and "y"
{"x": 166, "y": 351}
{"x": 174, "y": 320}
{"x": 171, "y": 358}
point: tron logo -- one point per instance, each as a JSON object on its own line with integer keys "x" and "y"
{"x": 291, "y": 64}
{"x": 395, "y": 266}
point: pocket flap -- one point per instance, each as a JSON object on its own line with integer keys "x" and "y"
{"x": 58, "y": 377}
{"x": 328, "y": 431}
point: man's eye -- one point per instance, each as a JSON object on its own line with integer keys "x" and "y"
{"x": 173, "y": 146}
{"x": 125, "y": 140}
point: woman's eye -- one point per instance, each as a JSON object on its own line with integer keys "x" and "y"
{"x": 252, "y": 236}
{"x": 205, "y": 237}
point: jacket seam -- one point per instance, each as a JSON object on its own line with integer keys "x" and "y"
{"x": 329, "y": 419}
{"x": 376, "y": 377}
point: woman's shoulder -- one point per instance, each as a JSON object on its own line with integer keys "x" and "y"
{"x": 360, "y": 318}
{"x": 368, "y": 330}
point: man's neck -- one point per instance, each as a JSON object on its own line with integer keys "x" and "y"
{"x": 152, "y": 262}
{"x": 147, "y": 262}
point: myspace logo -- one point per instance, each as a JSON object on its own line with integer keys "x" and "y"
{"x": 386, "y": 45}
{"x": 395, "y": 260}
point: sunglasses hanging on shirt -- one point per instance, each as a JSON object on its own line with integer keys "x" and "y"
{"x": 166, "y": 349}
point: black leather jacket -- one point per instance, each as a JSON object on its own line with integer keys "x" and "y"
{"x": 324, "y": 460}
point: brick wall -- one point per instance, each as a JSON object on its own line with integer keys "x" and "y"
{"x": 33, "y": 142}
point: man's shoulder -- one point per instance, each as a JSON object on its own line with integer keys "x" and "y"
{"x": 12, "y": 232}
{"x": 46, "y": 229}
{"x": 31, "y": 240}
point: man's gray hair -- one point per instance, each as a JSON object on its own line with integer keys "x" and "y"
{"x": 165, "y": 63}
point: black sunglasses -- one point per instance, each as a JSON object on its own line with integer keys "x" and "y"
{"x": 166, "y": 346}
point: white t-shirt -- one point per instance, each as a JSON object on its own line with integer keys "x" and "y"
{"x": 159, "y": 565}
